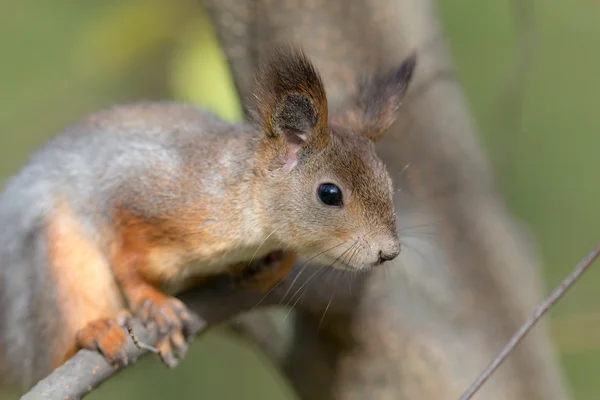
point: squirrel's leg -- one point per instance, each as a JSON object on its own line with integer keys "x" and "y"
{"x": 84, "y": 289}
{"x": 263, "y": 274}
{"x": 142, "y": 259}
{"x": 176, "y": 325}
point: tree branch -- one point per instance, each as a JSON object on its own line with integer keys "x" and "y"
{"x": 539, "y": 312}
{"x": 215, "y": 302}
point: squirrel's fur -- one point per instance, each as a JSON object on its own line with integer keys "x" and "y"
{"x": 136, "y": 201}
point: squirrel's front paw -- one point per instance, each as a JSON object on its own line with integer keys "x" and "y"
{"x": 175, "y": 323}
{"x": 108, "y": 336}
{"x": 263, "y": 274}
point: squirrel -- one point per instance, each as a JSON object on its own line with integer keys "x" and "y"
{"x": 133, "y": 204}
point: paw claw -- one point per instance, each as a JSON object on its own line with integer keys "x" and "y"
{"x": 175, "y": 324}
{"x": 170, "y": 360}
{"x": 108, "y": 337}
{"x": 180, "y": 344}
{"x": 165, "y": 350}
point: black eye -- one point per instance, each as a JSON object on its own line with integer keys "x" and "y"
{"x": 330, "y": 194}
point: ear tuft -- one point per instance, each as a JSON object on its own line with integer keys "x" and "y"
{"x": 291, "y": 100}
{"x": 378, "y": 99}
{"x": 297, "y": 115}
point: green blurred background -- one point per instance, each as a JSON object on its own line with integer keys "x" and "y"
{"x": 531, "y": 72}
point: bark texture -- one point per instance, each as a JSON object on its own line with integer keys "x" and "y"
{"x": 468, "y": 276}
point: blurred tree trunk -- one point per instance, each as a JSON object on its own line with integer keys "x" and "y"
{"x": 468, "y": 276}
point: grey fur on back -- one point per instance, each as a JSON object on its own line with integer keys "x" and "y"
{"x": 26, "y": 297}
{"x": 83, "y": 165}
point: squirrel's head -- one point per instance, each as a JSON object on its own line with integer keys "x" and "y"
{"x": 327, "y": 194}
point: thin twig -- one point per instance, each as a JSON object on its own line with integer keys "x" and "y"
{"x": 539, "y": 312}
{"x": 141, "y": 345}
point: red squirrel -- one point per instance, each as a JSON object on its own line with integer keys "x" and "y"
{"x": 131, "y": 205}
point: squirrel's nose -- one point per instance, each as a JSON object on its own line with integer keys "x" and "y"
{"x": 383, "y": 257}
{"x": 388, "y": 254}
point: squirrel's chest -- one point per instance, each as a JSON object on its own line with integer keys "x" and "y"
{"x": 185, "y": 268}
{"x": 221, "y": 261}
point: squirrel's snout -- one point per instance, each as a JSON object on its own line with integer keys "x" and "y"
{"x": 388, "y": 252}
{"x": 383, "y": 257}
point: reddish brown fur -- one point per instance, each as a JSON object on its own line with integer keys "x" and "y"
{"x": 147, "y": 255}
{"x": 270, "y": 275}
{"x": 138, "y": 244}
{"x": 85, "y": 288}
{"x": 152, "y": 250}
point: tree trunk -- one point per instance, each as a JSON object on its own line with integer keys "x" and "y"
{"x": 424, "y": 327}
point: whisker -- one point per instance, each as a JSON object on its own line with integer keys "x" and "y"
{"x": 263, "y": 242}
{"x": 325, "y": 312}
{"x": 301, "y": 294}
{"x": 419, "y": 253}
{"x": 310, "y": 278}
{"x": 404, "y": 169}
{"x": 293, "y": 306}
{"x": 430, "y": 224}
{"x": 351, "y": 251}
{"x": 281, "y": 281}
{"x": 305, "y": 283}
{"x": 367, "y": 243}
{"x": 354, "y": 253}
{"x": 266, "y": 295}
{"x": 303, "y": 266}
{"x": 331, "y": 271}
{"x": 420, "y": 235}
{"x": 317, "y": 271}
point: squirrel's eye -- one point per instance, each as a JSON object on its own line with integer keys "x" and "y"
{"x": 330, "y": 194}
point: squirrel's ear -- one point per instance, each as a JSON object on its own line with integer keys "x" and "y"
{"x": 378, "y": 98}
{"x": 291, "y": 103}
